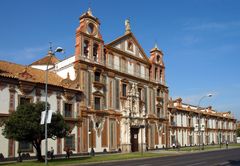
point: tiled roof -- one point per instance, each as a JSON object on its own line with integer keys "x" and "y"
{"x": 27, "y": 73}
{"x": 45, "y": 60}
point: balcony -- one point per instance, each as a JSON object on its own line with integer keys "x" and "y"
{"x": 71, "y": 116}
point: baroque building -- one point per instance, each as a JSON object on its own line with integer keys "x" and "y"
{"x": 113, "y": 96}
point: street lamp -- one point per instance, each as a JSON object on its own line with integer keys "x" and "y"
{"x": 201, "y": 128}
{"x": 50, "y": 54}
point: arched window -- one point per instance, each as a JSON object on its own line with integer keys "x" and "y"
{"x": 130, "y": 45}
{"x": 85, "y": 47}
{"x": 104, "y": 56}
{"x": 97, "y": 75}
{"x": 156, "y": 73}
{"x": 95, "y": 52}
{"x": 160, "y": 74}
{"x": 158, "y": 58}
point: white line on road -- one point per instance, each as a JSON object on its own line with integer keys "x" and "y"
{"x": 201, "y": 163}
{"x": 224, "y": 163}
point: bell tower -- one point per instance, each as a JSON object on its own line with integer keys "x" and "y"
{"x": 89, "y": 43}
{"x": 157, "y": 71}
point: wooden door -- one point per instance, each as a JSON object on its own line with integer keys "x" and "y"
{"x": 134, "y": 139}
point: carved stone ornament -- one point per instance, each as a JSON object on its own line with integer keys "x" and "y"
{"x": 26, "y": 87}
{"x": 68, "y": 95}
{"x": 2, "y": 85}
{"x": 26, "y": 75}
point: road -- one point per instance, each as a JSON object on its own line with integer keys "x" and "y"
{"x": 216, "y": 158}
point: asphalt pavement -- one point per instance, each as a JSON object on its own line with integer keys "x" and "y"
{"x": 228, "y": 157}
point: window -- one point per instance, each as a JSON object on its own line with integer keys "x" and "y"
{"x": 112, "y": 139}
{"x": 90, "y": 28}
{"x": 85, "y": 47}
{"x": 25, "y": 146}
{"x": 158, "y": 92}
{"x": 97, "y": 104}
{"x": 156, "y": 73}
{"x": 124, "y": 66}
{"x": 130, "y": 46}
{"x": 160, "y": 74}
{"x": 97, "y": 76}
{"x": 104, "y": 57}
{"x": 68, "y": 110}
{"x": 70, "y": 142}
{"x": 137, "y": 69}
{"x": 124, "y": 90}
{"x": 158, "y": 58}
{"x": 172, "y": 121}
{"x": 158, "y": 112}
{"x": 189, "y": 122}
{"x": 117, "y": 94}
{"x": 95, "y": 52}
{"x": 111, "y": 94}
{"x": 24, "y": 100}
{"x": 110, "y": 60}
{"x": 140, "y": 93}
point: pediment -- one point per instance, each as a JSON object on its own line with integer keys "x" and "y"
{"x": 129, "y": 44}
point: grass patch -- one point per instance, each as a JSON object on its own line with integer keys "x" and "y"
{"x": 88, "y": 159}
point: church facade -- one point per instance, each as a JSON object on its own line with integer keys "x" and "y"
{"x": 113, "y": 96}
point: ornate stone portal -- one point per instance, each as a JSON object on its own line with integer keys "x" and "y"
{"x": 132, "y": 123}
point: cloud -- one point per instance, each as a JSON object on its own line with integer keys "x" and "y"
{"x": 212, "y": 26}
{"x": 190, "y": 39}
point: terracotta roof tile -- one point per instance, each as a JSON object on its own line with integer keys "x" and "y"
{"x": 27, "y": 73}
{"x": 45, "y": 60}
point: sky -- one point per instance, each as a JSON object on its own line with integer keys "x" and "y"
{"x": 200, "y": 39}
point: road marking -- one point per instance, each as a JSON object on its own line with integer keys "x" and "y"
{"x": 224, "y": 163}
{"x": 201, "y": 163}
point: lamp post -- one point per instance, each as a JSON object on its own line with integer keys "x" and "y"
{"x": 201, "y": 128}
{"x": 50, "y": 54}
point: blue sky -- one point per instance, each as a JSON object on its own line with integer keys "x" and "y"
{"x": 200, "y": 39}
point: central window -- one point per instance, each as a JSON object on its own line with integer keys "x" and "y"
{"x": 24, "y": 100}
{"x": 124, "y": 90}
{"x": 68, "y": 110}
{"x": 97, "y": 103}
{"x": 97, "y": 76}
{"x": 95, "y": 52}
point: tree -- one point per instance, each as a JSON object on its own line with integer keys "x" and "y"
{"x": 24, "y": 125}
{"x": 238, "y": 132}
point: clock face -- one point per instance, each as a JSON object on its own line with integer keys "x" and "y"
{"x": 90, "y": 28}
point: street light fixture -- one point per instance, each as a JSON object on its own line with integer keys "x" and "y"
{"x": 201, "y": 128}
{"x": 50, "y": 54}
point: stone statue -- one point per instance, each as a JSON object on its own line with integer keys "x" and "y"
{"x": 127, "y": 26}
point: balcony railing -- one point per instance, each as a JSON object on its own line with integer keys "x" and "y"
{"x": 70, "y": 115}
